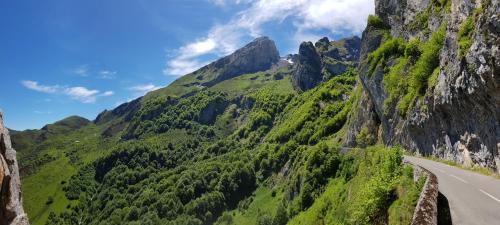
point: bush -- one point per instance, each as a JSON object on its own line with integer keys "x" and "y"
{"x": 50, "y": 200}
{"x": 392, "y": 47}
{"x": 395, "y": 82}
{"x": 364, "y": 138}
{"x": 412, "y": 49}
{"x": 383, "y": 170}
{"x": 423, "y": 68}
{"x": 464, "y": 36}
{"x": 428, "y": 61}
{"x": 376, "y": 22}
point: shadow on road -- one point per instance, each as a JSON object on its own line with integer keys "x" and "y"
{"x": 444, "y": 215}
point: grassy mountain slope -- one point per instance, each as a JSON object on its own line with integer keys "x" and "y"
{"x": 246, "y": 150}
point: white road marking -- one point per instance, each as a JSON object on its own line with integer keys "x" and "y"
{"x": 458, "y": 178}
{"x": 489, "y": 195}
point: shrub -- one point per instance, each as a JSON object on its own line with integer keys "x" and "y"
{"x": 50, "y": 200}
{"x": 376, "y": 22}
{"x": 412, "y": 49}
{"x": 423, "y": 68}
{"x": 395, "y": 84}
{"x": 420, "y": 21}
{"x": 464, "y": 36}
{"x": 391, "y": 47}
{"x": 364, "y": 138}
{"x": 383, "y": 170}
{"x": 428, "y": 61}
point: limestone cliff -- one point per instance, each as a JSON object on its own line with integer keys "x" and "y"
{"x": 430, "y": 74}
{"x": 319, "y": 62}
{"x": 258, "y": 55}
{"x": 11, "y": 208}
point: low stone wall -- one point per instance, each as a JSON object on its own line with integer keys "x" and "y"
{"x": 426, "y": 211}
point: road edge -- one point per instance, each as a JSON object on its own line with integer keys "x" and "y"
{"x": 426, "y": 210}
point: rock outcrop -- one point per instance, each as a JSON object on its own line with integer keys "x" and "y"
{"x": 456, "y": 114}
{"x": 11, "y": 208}
{"x": 258, "y": 55}
{"x": 324, "y": 59}
{"x": 308, "y": 68}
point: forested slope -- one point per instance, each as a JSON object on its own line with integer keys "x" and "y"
{"x": 247, "y": 148}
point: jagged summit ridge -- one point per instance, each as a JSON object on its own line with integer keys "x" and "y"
{"x": 258, "y": 55}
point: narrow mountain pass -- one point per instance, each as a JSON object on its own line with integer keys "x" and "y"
{"x": 473, "y": 198}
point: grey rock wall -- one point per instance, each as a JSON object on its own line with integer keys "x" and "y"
{"x": 11, "y": 208}
{"x": 457, "y": 119}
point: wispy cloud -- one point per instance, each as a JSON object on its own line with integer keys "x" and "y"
{"x": 144, "y": 88}
{"x": 33, "y": 85}
{"x": 42, "y": 112}
{"x": 336, "y": 16}
{"x": 107, "y": 93}
{"x": 82, "y": 70}
{"x": 226, "y": 2}
{"x": 81, "y": 94}
{"x": 107, "y": 74}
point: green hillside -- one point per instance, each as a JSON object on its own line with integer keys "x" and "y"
{"x": 250, "y": 149}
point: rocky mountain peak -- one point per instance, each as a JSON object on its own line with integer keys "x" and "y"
{"x": 318, "y": 62}
{"x": 308, "y": 71}
{"x": 11, "y": 207}
{"x": 258, "y": 55}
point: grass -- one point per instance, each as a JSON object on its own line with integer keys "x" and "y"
{"x": 382, "y": 191}
{"x": 262, "y": 202}
{"x": 391, "y": 47}
{"x": 423, "y": 70}
{"x": 376, "y": 22}
{"x": 415, "y": 69}
{"x": 69, "y": 151}
{"x": 464, "y": 33}
{"x": 279, "y": 80}
{"x": 408, "y": 192}
{"x": 46, "y": 182}
{"x": 333, "y": 201}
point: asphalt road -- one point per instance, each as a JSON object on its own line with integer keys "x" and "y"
{"x": 473, "y": 198}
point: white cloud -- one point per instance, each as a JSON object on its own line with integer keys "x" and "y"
{"x": 107, "y": 93}
{"x": 144, "y": 88}
{"x": 33, "y": 85}
{"x": 107, "y": 74}
{"x": 81, "y": 94}
{"x": 82, "y": 70}
{"x": 42, "y": 112}
{"x": 226, "y": 2}
{"x": 336, "y": 16}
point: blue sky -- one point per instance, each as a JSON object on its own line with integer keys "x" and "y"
{"x": 68, "y": 57}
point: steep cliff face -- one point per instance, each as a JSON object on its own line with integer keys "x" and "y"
{"x": 430, "y": 72}
{"x": 319, "y": 62}
{"x": 11, "y": 208}
{"x": 308, "y": 70}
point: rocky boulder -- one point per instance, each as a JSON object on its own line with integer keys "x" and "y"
{"x": 11, "y": 207}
